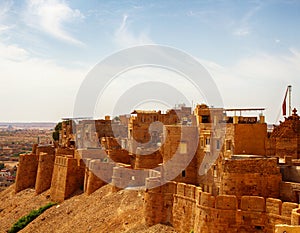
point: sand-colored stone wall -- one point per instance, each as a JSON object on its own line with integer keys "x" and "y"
{"x": 204, "y": 213}
{"x": 68, "y": 176}
{"x": 289, "y": 191}
{"x": 158, "y": 206}
{"x": 125, "y": 177}
{"x": 44, "y": 172}
{"x": 250, "y": 139}
{"x": 148, "y": 161}
{"x": 48, "y": 149}
{"x": 285, "y": 138}
{"x": 283, "y": 228}
{"x": 97, "y": 174}
{"x": 27, "y": 171}
{"x": 61, "y": 151}
{"x": 179, "y": 150}
{"x": 259, "y": 177}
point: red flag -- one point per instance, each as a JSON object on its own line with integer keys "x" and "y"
{"x": 284, "y": 104}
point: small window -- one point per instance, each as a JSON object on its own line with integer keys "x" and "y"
{"x": 218, "y": 144}
{"x": 183, "y": 173}
{"x": 207, "y": 141}
{"x": 205, "y": 119}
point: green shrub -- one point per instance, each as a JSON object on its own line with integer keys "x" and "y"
{"x": 55, "y": 134}
{"x": 25, "y": 220}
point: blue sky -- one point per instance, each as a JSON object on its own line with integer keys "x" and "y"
{"x": 251, "y": 48}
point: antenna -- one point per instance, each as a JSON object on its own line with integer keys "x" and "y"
{"x": 290, "y": 99}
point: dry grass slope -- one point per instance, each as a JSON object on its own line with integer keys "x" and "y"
{"x": 102, "y": 211}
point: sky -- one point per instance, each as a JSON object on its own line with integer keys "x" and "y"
{"x": 47, "y": 47}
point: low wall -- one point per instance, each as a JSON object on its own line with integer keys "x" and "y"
{"x": 97, "y": 174}
{"x": 125, "y": 177}
{"x": 149, "y": 161}
{"x": 283, "y": 228}
{"x": 61, "y": 151}
{"x": 48, "y": 149}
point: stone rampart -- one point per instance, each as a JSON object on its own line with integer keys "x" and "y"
{"x": 202, "y": 212}
{"x": 97, "y": 174}
{"x": 68, "y": 176}
{"x": 44, "y": 171}
{"x": 27, "y": 171}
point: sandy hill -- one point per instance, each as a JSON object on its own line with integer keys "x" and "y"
{"x": 102, "y": 211}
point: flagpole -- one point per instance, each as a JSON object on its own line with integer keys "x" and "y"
{"x": 290, "y": 99}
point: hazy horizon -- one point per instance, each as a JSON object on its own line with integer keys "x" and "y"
{"x": 47, "y": 47}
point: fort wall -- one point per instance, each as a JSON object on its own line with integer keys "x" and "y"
{"x": 44, "y": 172}
{"x": 27, "y": 171}
{"x": 124, "y": 177}
{"x": 46, "y": 156}
{"x": 253, "y": 177}
{"x": 97, "y": 174}
{"x": 158, "y": 205}
{"x": 68, "y": 176}
{"x": 202, "y": 212}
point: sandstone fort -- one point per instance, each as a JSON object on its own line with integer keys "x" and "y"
{"x": 202, "y": 170}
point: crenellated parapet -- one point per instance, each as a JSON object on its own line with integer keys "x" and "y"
{"x": 203, "y": 212}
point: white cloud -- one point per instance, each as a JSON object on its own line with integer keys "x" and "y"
{"x": 5, "y": 28}
{"x": 36, "y": 89}
{"x": 241, "y": 32}
{"x": 50, "y": 17}
{"x": 13, "y": 52}
{"x": 5, "y": 7}
{"x": 243, "y": 25}
{"x": 258, "y": 81}
{"x": 123, "y": 37}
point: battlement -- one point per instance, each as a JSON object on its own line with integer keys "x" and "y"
{"x": 231, "y": 202}
{"x": 203, "y": 212}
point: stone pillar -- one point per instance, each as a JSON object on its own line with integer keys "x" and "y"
{"x": 235, "y": 120}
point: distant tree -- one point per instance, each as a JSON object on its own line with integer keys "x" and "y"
{"x": 2, "y": 166}
{"x": 55, "y": 134}
{"x": 117, "y": 118}
{"x": 58, "y": 126}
